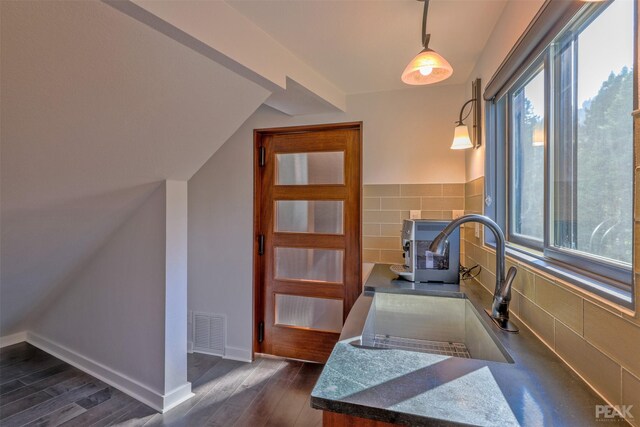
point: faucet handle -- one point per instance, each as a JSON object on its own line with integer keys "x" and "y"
{"x": 505, "y": 289}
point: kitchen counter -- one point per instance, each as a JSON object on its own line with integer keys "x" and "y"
{"x": 412, "y": 388}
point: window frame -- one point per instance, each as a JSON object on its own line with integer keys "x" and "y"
{"x": 609, "y": 279}
{"x": 540, "y": 64}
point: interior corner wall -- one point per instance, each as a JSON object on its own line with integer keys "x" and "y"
{"x": 112, "y": 311}
{"x": 512, "y": 23}
{"x": 406, "y": 139}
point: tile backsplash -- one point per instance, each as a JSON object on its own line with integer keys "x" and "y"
{"x": 386, "y": 205}
{"x": 595, "y": 339}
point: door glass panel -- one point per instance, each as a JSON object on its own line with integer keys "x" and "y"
{"x": 306, "y": 312}
{"x": 310, "y": 168}
{"x": 323, "y": 265}
{"x": 309, "y": 216}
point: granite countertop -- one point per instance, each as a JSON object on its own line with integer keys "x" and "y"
{"x": 412, "y": 388}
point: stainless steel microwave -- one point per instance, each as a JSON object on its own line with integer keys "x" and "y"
{"x": 422, "y": 265}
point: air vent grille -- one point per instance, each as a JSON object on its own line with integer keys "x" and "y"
{"x": 208, "y": 333}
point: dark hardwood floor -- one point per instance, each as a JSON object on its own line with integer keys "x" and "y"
{"x": 36, "y": 389}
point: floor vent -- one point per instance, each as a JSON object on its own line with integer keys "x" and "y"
{"x": 208, "y": 333}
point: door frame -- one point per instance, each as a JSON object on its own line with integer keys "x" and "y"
{"x": 258, "y": 284}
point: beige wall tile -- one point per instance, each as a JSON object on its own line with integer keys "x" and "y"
{"x": 631, "y": 395}
{"x": 491, "y": 262}
{"x": 400, "y": 203}
{"x": 473, "y": 204}
{"x": 486, "y": 279}
{"x": 614, "y": 336}
{"x": 405, "y": 215}
{"x": 478, "y": 186}
{"x": 391, "y": 257}
{"x": 421, "y": 190}
{"x": 442, "y": 203}
{"x": 456, "y": 190}
{"x": 562, "y": 304}
{"x": 447, "y": 215}
{"x": 524, "y": 283}
{"x": 514, "y": 306}
{"x": 431, "y": 214}
{"x": 371, "y": 229}
{"x": 636, "y": 249}
{"x": 381, "y": 243}
{"x": 381, "y": 217}
{"x": 599, "y": 370}
{"x": 384, "y": 190}
{"x": 468, "y": 188}
{"x": 541, "y": 322}
{"x": 371, "y": 255}
{"x": 371, "y": 203}
{"x": 391, "y": 230}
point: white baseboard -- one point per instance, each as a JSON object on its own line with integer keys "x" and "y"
{"x": 133, "y": 388}
{"x": 240, "y": 354}
{"x": 12, "y": 339}
{"x": 231, "y": 353}
{"x": 176, "y": 397}
{"x": 205, "y": 351}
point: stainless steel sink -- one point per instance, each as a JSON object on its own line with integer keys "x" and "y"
{"x": 431, "y": 324}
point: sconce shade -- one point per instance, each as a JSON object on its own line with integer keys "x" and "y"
{"x": 427, "y": 67}
{"x": 461, "y": 140}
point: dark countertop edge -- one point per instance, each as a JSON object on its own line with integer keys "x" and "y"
{"x": 383, "y": 415}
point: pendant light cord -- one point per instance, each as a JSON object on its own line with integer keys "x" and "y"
{"x": 425, "y": 36}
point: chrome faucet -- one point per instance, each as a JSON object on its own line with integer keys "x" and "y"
{"x": 502, "y": 294}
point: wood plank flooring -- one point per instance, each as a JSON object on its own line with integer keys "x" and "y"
{"x": 37, "y": 389}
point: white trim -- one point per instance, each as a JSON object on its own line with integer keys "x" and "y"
{"x": 177, "y": 396}
{"x": 240, "y": 354}
{"x": 189, "y": 346}
{"x": 12, "y": 339}
{"x": 206, "y": 351}
{"x": 133, "y": 388}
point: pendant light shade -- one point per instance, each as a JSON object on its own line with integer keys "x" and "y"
{"x": 461, "y": 140}
{"x": 427, "y": 67}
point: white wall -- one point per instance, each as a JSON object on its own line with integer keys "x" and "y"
{"x": 93, "y": 114}
{"x": 113, "y": 309}
{"x": 112, "y": 312}
{"x": 406, "y": 139}
{"x": 175, "y": 298}
{"x": 514, "y": 20}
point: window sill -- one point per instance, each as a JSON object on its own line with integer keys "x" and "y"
{"x": 590, "y": 284}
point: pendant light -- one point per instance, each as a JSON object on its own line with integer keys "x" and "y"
{"x": 428, "y": 66}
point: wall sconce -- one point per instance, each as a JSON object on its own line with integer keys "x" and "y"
{"x": 461, "y": 138}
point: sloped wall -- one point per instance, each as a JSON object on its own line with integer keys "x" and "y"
{"x": 112, "y": 310}
{"x": 97, "y": 108}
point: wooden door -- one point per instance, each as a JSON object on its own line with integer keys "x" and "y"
{"x": 307, "y": 266}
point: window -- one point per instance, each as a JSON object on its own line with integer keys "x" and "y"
{"x": 564, "y": 139}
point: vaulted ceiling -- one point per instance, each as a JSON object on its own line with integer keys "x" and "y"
{"x": 363, "y": 46}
